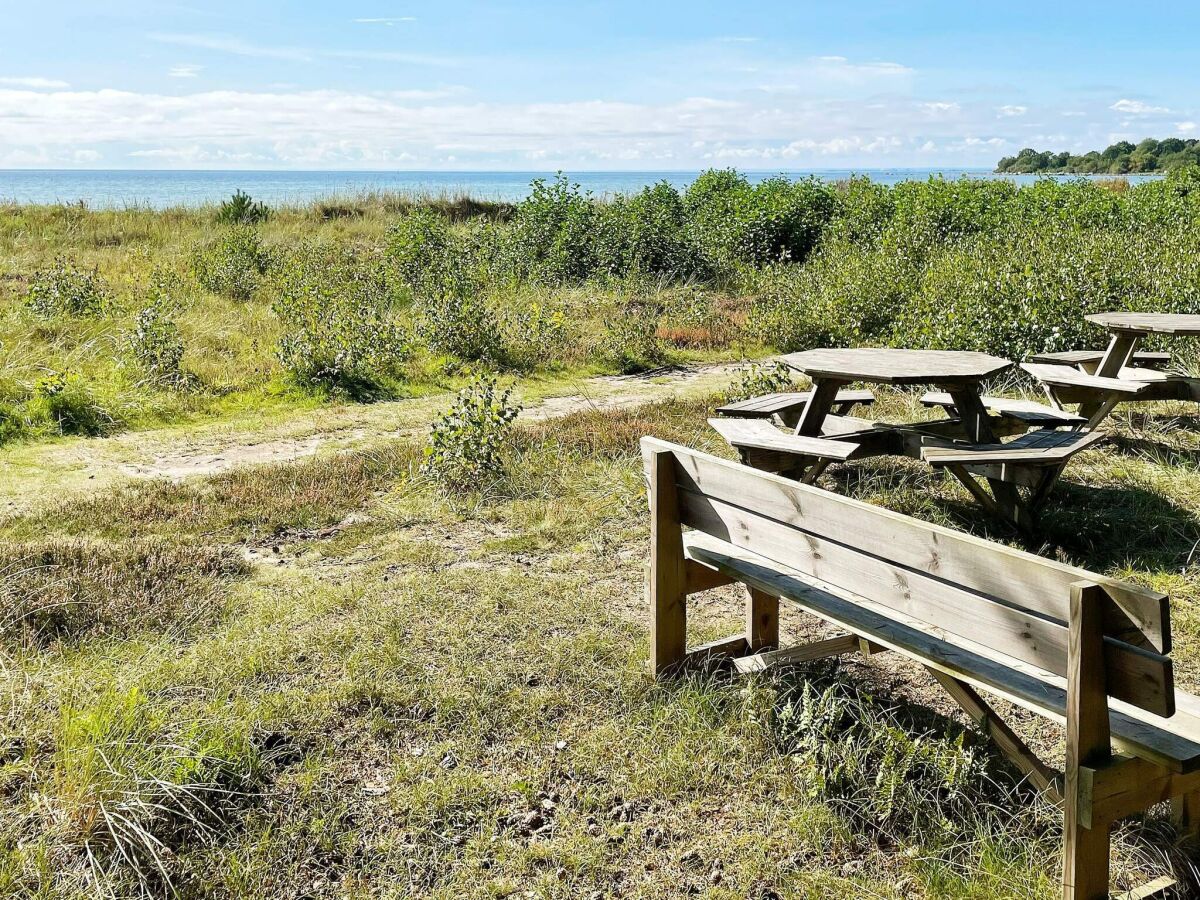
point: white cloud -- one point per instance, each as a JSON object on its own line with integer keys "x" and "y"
{"x": 1137, "y": 108}
{"x": 1011, "y": 111}
{"x": 34, "y": 83}
{"x": 187, "y": 70}
{"x": 840, "y": 66}
{"x": 939, "y": 109}
{"x": 233, "y": 45}
{"x": 1186, "y": 127}
{"x": 385, "y": 20}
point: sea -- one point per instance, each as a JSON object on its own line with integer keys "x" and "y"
{"x": 164, "y": 189}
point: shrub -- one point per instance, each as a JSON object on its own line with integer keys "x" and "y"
{"x": 64, "y": 289}
{"x": 67, "y": 403}
{"x": 645, "y": 235}
{"x": 340, "y": 323}
{"x": 467, "y": 445}
{"x": 157, "y": 346}
{"x": 428, "y": 257}
{"x": 240, "y": 209}
{"x": 758, "y": 379}
{"x": 233, "y": 264}
{"x": 462, "y": 326}
{"x": 631, "y": 343}
{"x": 533, "y": 334}
{"x": 776, "y": 220}
{"x": 553, "y": 233}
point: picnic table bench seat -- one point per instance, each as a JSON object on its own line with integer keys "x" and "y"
{"x": 1028, "y": 411}
{"x": 788, "y": 406}
{"x": 981, "y": 618}
{"x": 761, "y": 445}
{"x": 1096, "y": 394}
{"x": 1089, "y": 360}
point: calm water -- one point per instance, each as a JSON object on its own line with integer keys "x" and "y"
{"x": 159, "y": 189}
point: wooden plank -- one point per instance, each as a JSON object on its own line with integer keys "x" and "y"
{"x": 1136, "y": 676}
{"x": 1025, "y": 410}
{"x": 758, "y": 434}
{"x": 1035, "y": 448}
{"x": 1145, "y": 358}
{"x": 824, "y": 393}
{"x": 1040, "y": 775}
{"x": 668, "y": 580}
{"x": 1089, "y": 743}
{"x": 892, "y": 366}
{"x": 1128, "y": 785}
{"x": 768, "y": 405}
{"x": 1155, "y": 738}
{"x": 1064, "y": 376}
{"x": 1148, "y": 323}
{"x": 1136, "y": 615}
{"x": 722, "y": 648}
{"x": 761, "y": 662}
{"x": 1148, "y": 891}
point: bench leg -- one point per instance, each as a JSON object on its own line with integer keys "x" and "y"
{"x": 1185, "y": 810}
{"x": 1085, "y": 842}
{"x": 668, "y": 572}
{"x": 762, "y": 621}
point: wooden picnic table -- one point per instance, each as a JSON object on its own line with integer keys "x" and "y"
{"x": 957, "y": 373}
{"x": 1128, "y": 329}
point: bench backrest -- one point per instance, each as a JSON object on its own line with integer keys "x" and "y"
{"x": 1013, "y": 602}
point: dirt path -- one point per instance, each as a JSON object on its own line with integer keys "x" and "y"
{"x": 29, "y": 474}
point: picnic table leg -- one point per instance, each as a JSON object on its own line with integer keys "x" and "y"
{"x": 824, "y": 393}
{"x": 668, "y": 578}
{"x": 1118, "y": 355}
{"x": 762, "y": 621}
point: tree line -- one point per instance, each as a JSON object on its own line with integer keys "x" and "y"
{"x": 1121, "y": 158}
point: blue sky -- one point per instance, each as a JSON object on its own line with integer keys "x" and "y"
{"x": 525, "y": 84}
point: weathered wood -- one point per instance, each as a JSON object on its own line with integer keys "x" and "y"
{"x": 730, "y": 647}
{"x": 1135, "y": 614}
{"x": 824, "y": 394}
{"x": 762, "y": 621}
{"x": 1038, "y": 448}
{"x": 1089, "y": 743}
{"x": 890, "y": 366}
{"x": 668, "y": 579}
{"x": 1127, "y": 785}
{"x": 1066, "y": 377}
{"x": 1088, "y": 360}
{"x": 768, "y": 405}
{"x": 1150, "y": 890}
{"x": 1027, "y": 411}
{"x": 1136, "y": 676}
{"x": 761, "y": 662}
{"x": 759, "y": 434}
{"x": 1148, "y": 323}
{"x": 1040, "y": 775}
{"x": 1185, "y": 811}
{"x": 1172, "y": 743}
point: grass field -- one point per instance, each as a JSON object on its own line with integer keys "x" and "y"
{"x": 327, "y": 678}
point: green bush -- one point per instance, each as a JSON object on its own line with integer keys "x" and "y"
{"x": 757, "y": 379}
{"x": 341, "y": 324}
{"x": 429, "y": 258}
{"x": 232, "y": 264}
{"x": 64, "y": 289}
{"x": 631, "y": 343}
{"x": 156, "y": 346}
{"x": 533, "y": 334}
{"x": 240, "y": 209}
{"x": 553, "y": 232}
{"x": 468, "y": 445}
{"x": 646, "y": 235}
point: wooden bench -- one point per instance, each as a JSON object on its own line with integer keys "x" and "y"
{"x": 1031, "y": 413}
{"x": 1034, "y": 461}
{"x": 1089, "y": 360}
{"x": 763, "y": 446}
{"x": 1068, "y": 644}
{"x": 1097, "y": 395}
{"x": 787, "y": 407}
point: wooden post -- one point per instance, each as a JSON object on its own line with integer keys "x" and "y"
{"x": 1185, "y": 810}
{"x": 820, "y": 401}
{"x": 1118, "y": 355}
{"x": 1085, "y": 842}
{"x": 762, "y": 621}
{"x": 668, "y": 575}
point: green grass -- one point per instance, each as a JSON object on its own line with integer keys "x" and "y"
{"x": 412, "y": 694}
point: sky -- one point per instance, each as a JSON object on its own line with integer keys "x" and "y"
{"x": 531, "y": 85}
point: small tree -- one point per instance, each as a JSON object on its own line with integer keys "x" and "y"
{"x": 467, "y": 444}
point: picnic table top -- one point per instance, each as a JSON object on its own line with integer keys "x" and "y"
{"x": 890, "y": 366}
{"x": 1148, "y": 323}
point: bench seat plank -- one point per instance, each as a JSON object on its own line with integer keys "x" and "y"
{"x": 1038, "y": 448}
{"x": 1094, "y": 357}
{"x": 1068, "y": 377}
{"x": 1171, "y": 742}
{"x": 762, "y": 435}
{"x": 767, "y": 405}
{"x": 1028, "y": 411}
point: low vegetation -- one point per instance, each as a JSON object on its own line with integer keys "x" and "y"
{"x": 371, "y": 297}
{"x": 1121, "y": 158}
